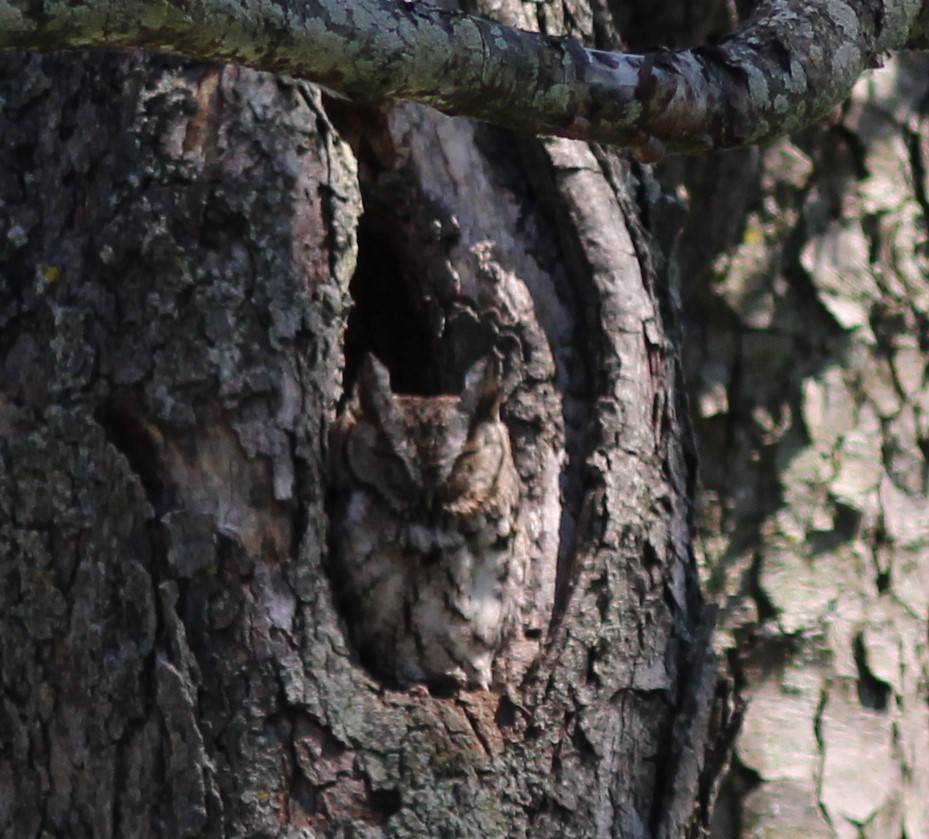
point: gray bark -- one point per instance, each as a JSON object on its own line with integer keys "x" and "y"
{"x": 792, "y": 63}
{"x": 170, "y": 349}
{"x": 176, "y": 250}
{"x": 806, "y": 347}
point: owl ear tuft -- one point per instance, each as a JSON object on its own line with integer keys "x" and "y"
{"x": 480, "y": 398}
{"x": 372, "y": 388}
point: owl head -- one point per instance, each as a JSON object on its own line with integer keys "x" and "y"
{"x": 427, "y": 455}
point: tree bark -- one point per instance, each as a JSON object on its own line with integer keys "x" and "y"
{"x": 792, "y": 63}
{"x": 805, "y": 354}
{"x": 188, "y": 281}
{"x": 177, "y": 242}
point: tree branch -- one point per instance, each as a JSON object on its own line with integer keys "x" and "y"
{"x": 794, "y": 62}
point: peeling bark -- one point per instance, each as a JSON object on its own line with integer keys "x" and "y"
{"x": 806, "y": 357}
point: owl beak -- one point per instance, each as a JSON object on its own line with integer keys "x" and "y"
{"x": 430, "y": 489}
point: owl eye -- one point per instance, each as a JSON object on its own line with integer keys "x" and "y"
{"x": 374, "y": 465}
{"x": 465, "y": 464}
{"x": 462, "y": 476}
{"x": 393, "y": 468}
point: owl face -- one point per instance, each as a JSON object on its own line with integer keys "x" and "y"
{"x": 423, "y": 455}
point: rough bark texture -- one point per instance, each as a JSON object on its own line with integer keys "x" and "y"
{"x": 177, "y": 244}
{"x": 804, "y": 291}
{"x": 808, "y": 311}
{"x": 791, "y": 64}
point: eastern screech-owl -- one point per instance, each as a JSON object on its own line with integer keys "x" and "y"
{"x": 426, "y": 563}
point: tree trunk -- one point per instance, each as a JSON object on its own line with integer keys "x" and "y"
{"x": 805, "y": 356}
{"x": 195, "y": 258}
{"x": 805, "y": 318}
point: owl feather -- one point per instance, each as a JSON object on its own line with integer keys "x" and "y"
{"x": 426, "y": 562}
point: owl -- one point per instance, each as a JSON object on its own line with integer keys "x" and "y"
{"x": 427, "y": 562}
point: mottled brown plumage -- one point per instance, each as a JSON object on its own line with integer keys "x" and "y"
{"x": 428, "y": 558}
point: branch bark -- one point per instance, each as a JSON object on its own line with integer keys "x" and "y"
{"x": 793, "y": 63}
